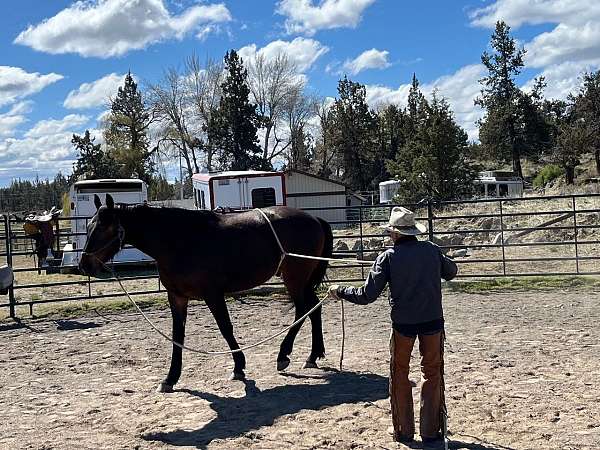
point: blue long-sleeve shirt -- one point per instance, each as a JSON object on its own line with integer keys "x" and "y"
{"x": 413, "y": 269}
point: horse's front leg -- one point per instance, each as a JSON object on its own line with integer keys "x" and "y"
{"x": 318, "y": 346}
{"x": 218, "y": 308}
{"x": 178, "y": 306}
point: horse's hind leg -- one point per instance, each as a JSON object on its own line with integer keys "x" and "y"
{"x": 318, "y": 346}
{"x": 179, "y": 313}
{"x": 218, "y": 308}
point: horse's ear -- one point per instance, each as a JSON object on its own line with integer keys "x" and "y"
{"x": 97, "y": 201}
{"x": 110, "y": 203}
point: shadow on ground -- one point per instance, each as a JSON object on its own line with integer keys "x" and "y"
{"x": 456, "y": 444}
{"x": 69, "y": 325}
{"x": 236, "y": 416}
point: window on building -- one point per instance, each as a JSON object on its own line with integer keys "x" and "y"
{"x": 263, "y": 197}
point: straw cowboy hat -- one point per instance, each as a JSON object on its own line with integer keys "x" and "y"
{"x": 402, "y": 221}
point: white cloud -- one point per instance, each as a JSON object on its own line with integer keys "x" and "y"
{"x": 304, "y": 52}
{"x": 535, "y": 12}
{"x": 16, "y": 83}
{"x": 105, "y": 28}
{"x": 576, "y": 36}
{"x": 94, "y": 94}
{"x": 14, "y": 117}
{"x": 46, "y": 148}
{"x": 370, "y": 59}
{"x": 567, "y": 42}
{"x": 561, "y": 79}
{"x": 459, "y": 88}
{"x": 50, "y": 127}
{"x": 304, "y": 17}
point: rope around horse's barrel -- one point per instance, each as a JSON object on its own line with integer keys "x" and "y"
{"x": 267, "y": 339}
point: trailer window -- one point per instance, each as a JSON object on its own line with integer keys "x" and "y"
{"x": 263, "y": 197}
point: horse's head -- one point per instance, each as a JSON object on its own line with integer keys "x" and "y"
{"x": 105, "y": 237}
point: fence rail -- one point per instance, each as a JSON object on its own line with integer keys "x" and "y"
{"x": 532, "y": 236}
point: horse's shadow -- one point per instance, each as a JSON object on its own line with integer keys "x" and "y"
{"x": 257, "y": 408}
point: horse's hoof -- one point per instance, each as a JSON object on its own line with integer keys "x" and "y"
{"x": 164, "y": 388}
{"x": 310, "y": 365}
{"x": 237, "y": 376}
{"x": 282, "y": 364}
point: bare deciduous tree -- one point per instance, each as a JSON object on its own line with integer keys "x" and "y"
{"x": 204, "y": 91}
{"x": 170, "y": 103}
{"x": 272, "y": 82}
{"x": 299, "y": 109}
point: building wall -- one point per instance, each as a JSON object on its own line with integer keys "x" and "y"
{"x": 300, "y": 183}
{"x": 322, "y": 201}
{"x": 326, "y": 194}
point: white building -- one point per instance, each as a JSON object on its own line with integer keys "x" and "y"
{"x": 496, "y": 183}
{"x": 305, "y": 190}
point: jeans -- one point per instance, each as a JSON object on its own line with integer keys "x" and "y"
{"x": 432, "y": 395}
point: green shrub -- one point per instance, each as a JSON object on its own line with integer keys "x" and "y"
{"x": 547, "y": 174}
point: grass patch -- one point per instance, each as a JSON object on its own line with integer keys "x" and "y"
{"x": 522, "y": 284}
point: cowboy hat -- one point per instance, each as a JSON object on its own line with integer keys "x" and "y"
{"x": 402, "y": 221}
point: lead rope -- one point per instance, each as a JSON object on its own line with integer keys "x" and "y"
{"x": 206, "y": 352}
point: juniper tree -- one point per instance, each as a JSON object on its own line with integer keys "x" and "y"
{"x": 92, "y": 162}
{"x": 232, "y": 128}
{"x": 500, "y": 127}
{"x": 126, "y": 132}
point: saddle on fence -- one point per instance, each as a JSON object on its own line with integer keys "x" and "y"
{"x": 40, "y": 227}
{"x": 7, "y": 278}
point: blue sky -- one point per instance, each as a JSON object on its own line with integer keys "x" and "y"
{"x": 62, "y": 59}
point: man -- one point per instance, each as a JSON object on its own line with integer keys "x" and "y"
{"x": 413, "y": 270}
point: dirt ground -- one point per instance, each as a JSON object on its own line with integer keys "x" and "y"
{"x": 522, "y": 373}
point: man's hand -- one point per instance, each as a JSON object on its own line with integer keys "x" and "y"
{"x": 332, "y": 291}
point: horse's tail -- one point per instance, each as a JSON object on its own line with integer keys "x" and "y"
{"x": 319, "y": 274}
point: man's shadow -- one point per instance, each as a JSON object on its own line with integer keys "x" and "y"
{"x": 257, "y": 408}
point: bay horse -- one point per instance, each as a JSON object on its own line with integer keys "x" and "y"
{"x": 205, "y": 255}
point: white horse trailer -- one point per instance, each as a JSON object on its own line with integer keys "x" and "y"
{"x": 127, "y": 191}
{"x": 239, "y": 190}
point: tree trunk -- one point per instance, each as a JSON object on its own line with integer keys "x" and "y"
{"x": 267, "y": 137}
{"x": 517, "y": 165}
{"x": 597, "y": 157}
{"x": 570, "y": 175}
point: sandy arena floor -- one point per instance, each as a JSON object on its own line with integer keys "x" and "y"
{"x": 523, "y": 371}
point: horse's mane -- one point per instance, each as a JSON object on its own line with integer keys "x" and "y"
{"x": 169, "y": 213}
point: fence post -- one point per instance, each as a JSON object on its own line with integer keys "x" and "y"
{"x": 362, "y": 247}
{"x": 9, "y": 262}
{"x": 430, "y": 219}
{"x": 502, "y": 238}
{"x": 575, "y": 231}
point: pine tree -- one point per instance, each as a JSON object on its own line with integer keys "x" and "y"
{"x": 587, "y": 107}
{"x": 499, "y": 129}
{"x": 92, "y": 162}
{"x": 393, "y": 125}
{"x": 126, "y": 135}
{"x": 354, "y": 138}
{"x": 232, "y": 128}
{"x": 433, "y": 161}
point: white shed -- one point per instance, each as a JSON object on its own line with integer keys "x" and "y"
{"x": 496, "y": 183}
{"x": 306, "y": 190}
